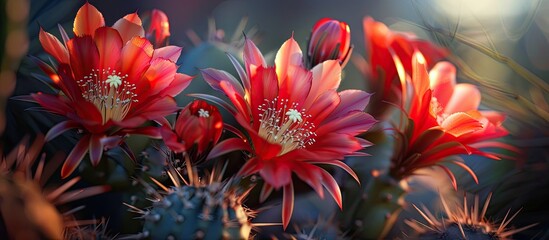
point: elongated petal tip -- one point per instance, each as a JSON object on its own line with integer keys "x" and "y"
{"x": 88, "y": 18}
{"x": 287, "y": 204}
{"x": 75, "y": 157}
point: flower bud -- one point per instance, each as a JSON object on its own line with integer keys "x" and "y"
{"x": 159, "y": 28}
{"x": 330, "y": 40}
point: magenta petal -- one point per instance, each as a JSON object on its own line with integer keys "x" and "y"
{"x": 129, "y": 26}
{"x": 288, "y": 55}
{"x": 55, "y": 104}
{"x": 266, "y": 191}
{"x": 331, "y": 185}
{"x": 287, "y": 204}
{"x": 169, "y": 52}
{"x": 214, "y": 77}
{"x": 276, "y": 174}
{"x": 170, "y": 139}
{"x": 351, "y": 124}
{"x": 250, "y": 167}
{"x": 152, "y": 132}
{"x": 75, "y": 157}
{"x": 323, "y": 106}
{"x": 109, "y": 44}
{"x": 151, "y": 110}
{"x": 241, "y": 72}
{"x": 60, "y": 128}
{"x": 351, "y": 100}
{"x": 342, "y": 165}
{"x": 252, "y": 55}
{"x": 53, "y": 46}
{"x": 96, "y": 149}
{"x": 213, "y": 99}
{"x": 310, "y": 174}
{"x": 111, "y": 141}
{"x": 84, "y": 56}
{"x": 229, "y": 145}
{"x": 179, "y": 83}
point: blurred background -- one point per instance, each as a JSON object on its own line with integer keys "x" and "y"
{"x": 502, "y": 46}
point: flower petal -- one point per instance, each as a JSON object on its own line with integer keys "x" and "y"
{"x": 351, "y": 100}
{"x": 323, "y": 106}
{"x": 331, "y": 185}
{"x": 289, "y": 54}
{"x": 250, "y": 167}
{"x": 266, "y": 191}
{"x": 460, "y": 123}
{"x": 60, "y": 128}
{"x": 237, "y": 99}
{"x": 352, "y": 124}
{"x": 296, "y": 85}
{"x": 227, "y": 146}
{"x": 149, "y": 131}
{"x": 136, "y": 57}
{"x": 75, "y": 156}
{"x": 420, "y": 76}
{"x": 341, "y": 165}
{"x": 466, "y": 97}
{"x": 170, "y": 139}
{"x": 450, "y": 175}
{"x": 264, "y": 88}
{"x": 214, "y": 77}
{"x": 326, "y": 76}
{"x": 151, "y": 110}
{"x": 180, "y": 82}
{"x": 168, "y": 52}
{"x": 96, "y": 148}
{"x": 109, "y": 44}
{"x": 129, "y": 26}
{"x": 252, "y": 55}
{"x": 311, "y": 175}
{"x": 287, "y": 204}
{"x": 87, "y": 19}
{"x": 160, "y": 74}
{"x": 276, "y": 173}
{"x": 241, "y": 72}
{"x": 160, "y": 26}
{"x": 213, "y": 99}
{"x": 56, "y": 104}
{"x": 84, "y": 56}
{"x": 53, "y": 46}
{"x": 443, "y": 81}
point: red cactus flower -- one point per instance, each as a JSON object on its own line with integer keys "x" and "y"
{"x": 444, "y": 121}
{"x": 110, "y": 80}
{"x": 159, "y": 28}
{"x": 295, "y": 118}
{"x": 387, "y": 47}
{"x": 196, "y": 132}
{"x": 330, "y": 40}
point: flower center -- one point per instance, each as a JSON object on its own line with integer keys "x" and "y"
{"x": 203, "y": 113}
{"x": 109, "y": 91}
{"x": 283, "y": 123}
{"x": 437, "y": 110}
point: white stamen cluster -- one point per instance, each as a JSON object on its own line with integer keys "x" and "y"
{"x": 203, "y": 113}
{"x": 109, "y": 91}
{"x": 283, "y": 123}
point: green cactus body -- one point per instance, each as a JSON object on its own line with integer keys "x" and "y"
{"x": 454, "y": 231}
{"x": 189, "y": 212}
{"x": 463, "y": 221}
{"x": 378, "y": 208}
{"x": 319, "y": 230}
